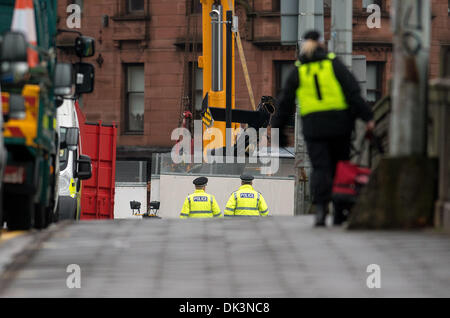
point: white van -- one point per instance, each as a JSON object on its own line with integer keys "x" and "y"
{"x": 69, "y": 156}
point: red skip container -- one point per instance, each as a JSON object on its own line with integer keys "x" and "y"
{"x": 98, "y": 141}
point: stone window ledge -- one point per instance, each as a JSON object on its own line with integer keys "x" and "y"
{"x": 131, "y": 18}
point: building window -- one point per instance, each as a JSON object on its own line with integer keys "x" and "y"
{"x": 195, "y": 6}
{"x": 327, "y": 7}
{"x": 445, "y": 64}
{"x": 282, "y": 71}
{"x": 366, "y": 3}
{"x": 135, "y": 6}
{"x": 135, "y": 103}
{"x": 374, "y": 81}
{"x": 276, "y": 6}
{"x": 198, "y": 87}
{"x": 195, "y": 87}
{"x": 77, "y": 2}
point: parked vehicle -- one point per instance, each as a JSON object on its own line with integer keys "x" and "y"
{"x": 99, "y": 143}
{"x": 13, "y": 70}
{"x": 32, "y": 141}
{"x": 72, "y": 167}
{"x": 3, "y": 157}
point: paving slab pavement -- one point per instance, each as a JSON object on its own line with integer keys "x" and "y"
{"x": 272, "y": 257}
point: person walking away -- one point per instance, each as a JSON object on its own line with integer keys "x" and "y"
{"x": 246, "y": 201}
{"x": 200, "y": 204}
{"x": 329, "y": 101}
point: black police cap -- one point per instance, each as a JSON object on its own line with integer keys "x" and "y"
{"x": 246, "y": 177}
{"x": 200, "y": 181}
{"x": 312, "y": 35}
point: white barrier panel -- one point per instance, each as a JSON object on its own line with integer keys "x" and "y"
{"x": 126, "y": 193}
{"x": 279, "y": 194}
{"x": 154, "y": 194}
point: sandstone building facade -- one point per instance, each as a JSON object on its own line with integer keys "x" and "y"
{"x": 147, "y": 50}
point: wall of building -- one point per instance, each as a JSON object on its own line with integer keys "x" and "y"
{"x": 154, "y": 194}
{"x": 440, "y": 31}
{"x": 157, "y": 38}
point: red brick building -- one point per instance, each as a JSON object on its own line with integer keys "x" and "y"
{"x": 147, "y": 51}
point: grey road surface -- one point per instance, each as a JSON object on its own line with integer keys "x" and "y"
{"x": 273, "y": 257}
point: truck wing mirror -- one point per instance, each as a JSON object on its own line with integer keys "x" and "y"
{"x": 59, "y": 101}
{"x": 84, "y": 171}
{"x": 85, "y": 75}
{"x": 84, "y": 46}
{"x": 64, "y": 83}
{"x": 70, "y": 139}
{"x": 13, "y": 58}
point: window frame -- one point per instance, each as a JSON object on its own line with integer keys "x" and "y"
{"x": 380, "y": 3}
{"x": 127, "y": 128}
{"x": 64, "y": 158}
{"x": 278, "y": 80}
{"x": 276, "y": 5}
{"x": 444, "y": 64}
{"x": 69, "y": 2}
{"x": 192, "y": 87}
{"x": 380, "y": 69}
{"x": 127, "y": 10}
{"x": 195, "y": 7}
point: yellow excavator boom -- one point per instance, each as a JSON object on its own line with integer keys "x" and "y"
{"x": 216, "y": 98}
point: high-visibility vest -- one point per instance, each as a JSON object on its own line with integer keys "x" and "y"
{"x": 200, "y": 205}
{"x": 246, "y": 202}
{"x": 319, "y": 89}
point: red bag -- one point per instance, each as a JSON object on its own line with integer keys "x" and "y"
{"x": 349, "y": 180}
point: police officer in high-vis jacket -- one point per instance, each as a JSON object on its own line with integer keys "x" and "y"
{"x": 200, "y": 204}
{"x": 329, "y": 100}
{"x": 246, "y": 201}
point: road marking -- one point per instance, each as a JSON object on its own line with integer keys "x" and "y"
{"x": 6, "y": 235}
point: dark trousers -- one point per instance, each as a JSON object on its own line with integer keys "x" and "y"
{"x": 324, "y": 155}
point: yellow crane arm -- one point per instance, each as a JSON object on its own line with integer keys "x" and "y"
{"x": 243, "y": 62}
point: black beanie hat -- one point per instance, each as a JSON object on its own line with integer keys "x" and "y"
{"x": 312, "y": 35}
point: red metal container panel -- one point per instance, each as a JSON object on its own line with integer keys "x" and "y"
{"x": 98, "y": 141}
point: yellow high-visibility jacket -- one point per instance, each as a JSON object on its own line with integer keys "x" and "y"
{"x": 319, "y": 88}
{"x": 246, "y": 202}
{"x": 200, "y": 205}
